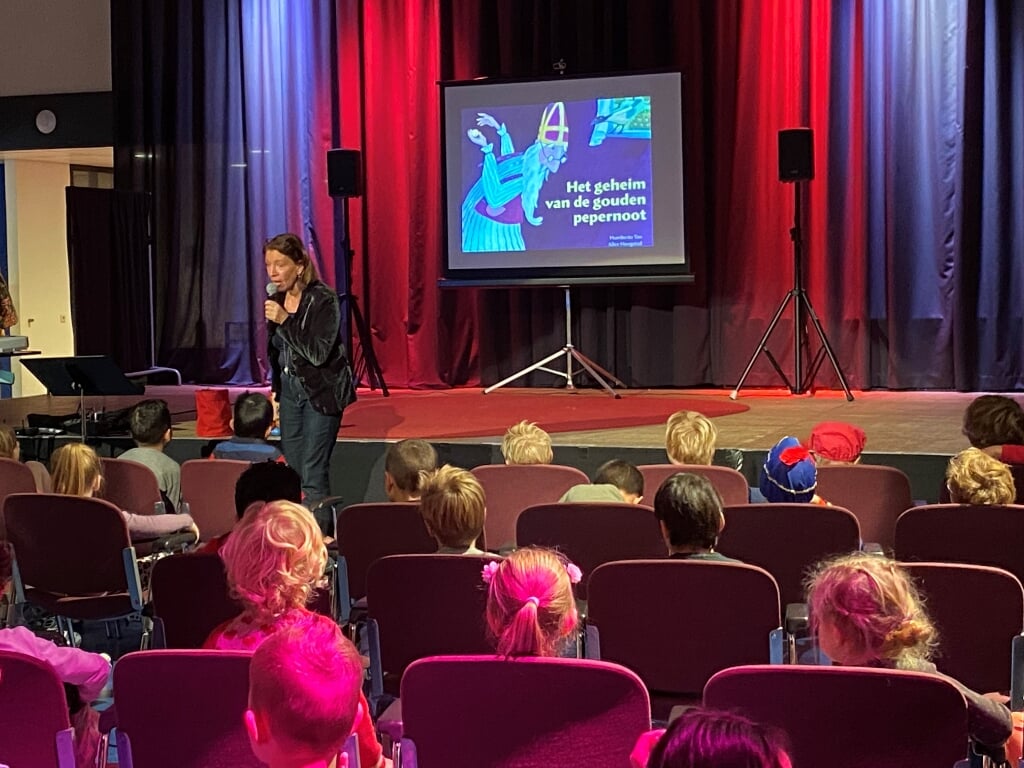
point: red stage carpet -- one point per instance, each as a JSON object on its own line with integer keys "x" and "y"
{"x": 469, "y": 413}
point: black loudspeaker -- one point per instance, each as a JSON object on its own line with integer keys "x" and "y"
{"x": 796, "y": 154}
{"x": 344, "y": 173}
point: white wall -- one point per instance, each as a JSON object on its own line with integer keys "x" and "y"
{"x": 54, "y": 46}
{"x": 37, "y": 255}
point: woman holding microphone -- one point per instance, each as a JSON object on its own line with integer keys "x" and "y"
{"x": 311, "y": 377}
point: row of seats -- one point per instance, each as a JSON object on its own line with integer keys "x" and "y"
{"x": 207, "y": 486}
{"x": 470, "y": 710}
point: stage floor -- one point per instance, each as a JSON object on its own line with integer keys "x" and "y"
{"x": 895, "y": 422}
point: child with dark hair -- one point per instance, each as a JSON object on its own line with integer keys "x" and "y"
{"x": 867, "y": 612}
{"x": 704, "y": 738}
{"x": 615, "y": 480}
{"x": 85, "y": 673}
{"x": 262, "y": 482}
{"x": 995, "y": 424}
{"x": 251, "y": 423}
{"x": 304, "y": 696}
{"x": 150, "y": 424}
{"x": 689, "y": 509}
{"x": 403, "y": 463}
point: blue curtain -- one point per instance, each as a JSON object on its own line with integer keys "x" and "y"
{"x": 225, "y": 116}
{"x": 945, "y": 136}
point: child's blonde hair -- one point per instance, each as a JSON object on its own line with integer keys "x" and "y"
{"x": 76, "y": 469}
{"x": 530, "y": 605}
{"x": 8, "y": 441}
{"x": 875, "y": 606}
{"x": 452, "y": 504}
{"x": 526, "y": 443}
{"x": 974, "y": 477}
{"x": 274, "y": 557}
{"x": 690, "y": 438}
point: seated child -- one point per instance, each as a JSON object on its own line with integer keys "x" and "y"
{"x": 87, "y": 673}
{"x": 150, "y": 424}
{"x": 836, "y": 442}
{"x": 253, "y": 418}
{"x": 403, "y": 463}
{"x": 77, "y": 471}
{"x": 274, "y": 558}
{"x": 790, "y": 474}
{"x": 690, "y": 512}
{"x": 995, "y": 424}
{"x": 614, "y": 480}
{"x": 453, "y": 508}
{"x": 10, "y": 448}
{"x": 705, "y": 738}
{"x": 262, "y": 482}
{"x": 530, "y": 606}
{"x": 690, "y": 438}
{"x": 526, "y": 443}
{"x": 867, "y": 612}
{"x": 974, "y": 477}
{"x": 305, "y": 687}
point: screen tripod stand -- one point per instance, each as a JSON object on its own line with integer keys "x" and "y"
{"x": 597, "y": 373}
{"x": 798, "y": 296}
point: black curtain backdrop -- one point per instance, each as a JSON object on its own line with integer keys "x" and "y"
{"x": 108, "y": 242}
{"x": 913, "y": 229}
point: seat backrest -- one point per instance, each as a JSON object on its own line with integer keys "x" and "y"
{"x": 786, "y": 539}
{"x": 978, "y": 611}
{"x": 522, "y": 712}
{"x": 963, "y": 533}
{"x": 426, "y": 605}
{"x": 730, "y": 484}
{"x": 511, "y": 488}
{"x": 67, "y": 544}
{"x": 34, "y": 727}
{"x": 189, "y": 594}
{"x": 183, "y": 709}
{"x": 876, "y": 495}
{"x": 130, "y": 486}
{"x": 368, "y": 532}
{"x": 15, "y": 477}
{"x": 592, "y": 533}
{"x": 849, "y": 717}
{"x": 209, "y": 488}
{"x": 677, "y": 622}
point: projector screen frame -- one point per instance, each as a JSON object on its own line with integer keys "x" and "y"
{"x": 662, "y": 267}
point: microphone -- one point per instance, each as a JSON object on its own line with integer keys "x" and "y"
{"x": 271, "y": 290}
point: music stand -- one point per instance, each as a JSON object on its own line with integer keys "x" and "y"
{"x": 94, "y": 375}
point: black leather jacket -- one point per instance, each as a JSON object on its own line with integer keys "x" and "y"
{"x": 318, "y": 355}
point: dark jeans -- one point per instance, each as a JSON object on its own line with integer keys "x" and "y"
{"x": 307, "y": 439}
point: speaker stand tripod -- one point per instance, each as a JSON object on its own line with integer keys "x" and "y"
{"x": 366, "y": 364}
{"x": 597, "y": 373}
{"x": 798, "y": 296}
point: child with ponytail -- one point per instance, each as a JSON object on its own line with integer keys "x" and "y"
{"x": 530, "y": 606}
{"x": 867, "y": 612}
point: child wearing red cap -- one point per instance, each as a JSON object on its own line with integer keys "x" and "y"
{"x": 836, "y": 442}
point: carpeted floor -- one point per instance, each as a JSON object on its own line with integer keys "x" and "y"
{"x": 467, "y": 413}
